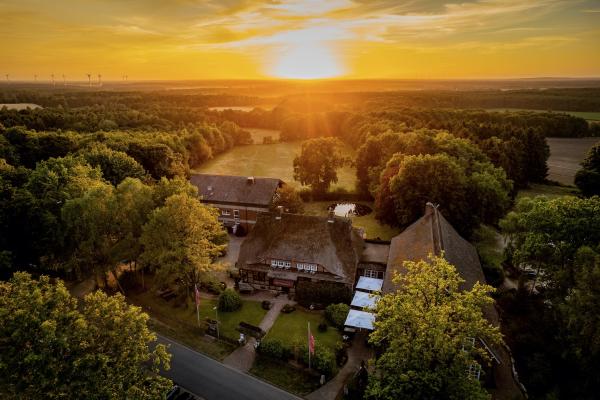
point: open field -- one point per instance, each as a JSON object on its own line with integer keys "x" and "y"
{"x": 269, "y": 160}
{"x": 565, "y": 156}
{"x": 20, "y": 106}
{"x": 373, "y": 228}
{"x": 549, "y": 191}
{"x": 587, "y": 115}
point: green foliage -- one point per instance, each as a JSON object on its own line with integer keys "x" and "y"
{"x": 324, "y": 293}
{"x": 287, "y": 197}
{"x": 421, "y": 329}
{"x": 181, "y": 240}
{"x": 337, "y": 313}
{"x": 587, "y": 178}
{"x": 275, "y": 349}
{"x": 317, "y": 164}
{"x": 115, "y": 165}
{"x": 52, "y": 348}
{"x": 323, "y": 360}
{"x": 229, "y": 300}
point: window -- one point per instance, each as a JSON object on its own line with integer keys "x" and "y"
{"x": 288, "y": 264}
{"x": 236, "y": 214}
{"x": 280, "y": 263}
{"x": 225, "y": 212}
{"x": 371, "y": 273}
{"x": 273, "y": 263}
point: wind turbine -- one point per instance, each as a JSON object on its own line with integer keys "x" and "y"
{"x": 64, "y": 80}
{"x": 6, "y": 78}
{"x": 53, "y": 83}
{"x": 89, "y": 79}
{"x": 99, "y": 80}
{"x": 35, "y": 78}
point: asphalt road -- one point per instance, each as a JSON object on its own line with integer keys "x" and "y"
{"x": 214, "y": 381}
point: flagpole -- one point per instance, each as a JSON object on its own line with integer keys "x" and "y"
{"x": 196, "y": 297}
{"x": 308, "y": 337}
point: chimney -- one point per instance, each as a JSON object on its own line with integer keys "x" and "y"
{"x": 250, "y": 180}
{"x": 279, "y": 212}
{"x": 331, "y": 217}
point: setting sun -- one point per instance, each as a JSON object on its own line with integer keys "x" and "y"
{"x": 307, "y": 61}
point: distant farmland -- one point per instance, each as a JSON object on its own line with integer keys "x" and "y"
{"x": 587, "y": 115}
{"x": 565, "y": 156}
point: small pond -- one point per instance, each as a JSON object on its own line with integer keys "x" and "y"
{"x": 350, "y": 209}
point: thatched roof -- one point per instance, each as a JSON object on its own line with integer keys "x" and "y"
{"x": 336, "y": 246}
{"x": 433, "y": 234}
{"x": 235, "y": 189}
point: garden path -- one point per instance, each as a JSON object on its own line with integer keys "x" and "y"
{"x": 243, "y": 357}
{"x": 357, "y": 353}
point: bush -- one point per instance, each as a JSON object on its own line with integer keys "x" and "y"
{"x": 288, "y": 308}
{"x": 325, "y": 293}
{"x": 266, "y": 305}
{"x": 323, "y": 360}
{"x": 322, "y": 327}
{"x": 211, "y": 285}
{"x": 337, "y": 313}
{"x": 229, "y": 300}
{"x": 275, "y": 349}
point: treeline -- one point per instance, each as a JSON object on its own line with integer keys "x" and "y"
{"x": 160, "y": 153}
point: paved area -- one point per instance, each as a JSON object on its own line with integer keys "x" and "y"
{"x": 212, "y": 380}
{"x": 243, "y": 357}
{"x": 356, "y": 353}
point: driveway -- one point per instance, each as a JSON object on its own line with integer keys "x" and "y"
{"x": 212, "y": 380}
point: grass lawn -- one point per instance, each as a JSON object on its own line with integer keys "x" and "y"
{"x": 284, "y": 376}
{"x": 292, "y": 328}
{"x": 270, "y": 160}
{"x": 549, "y": 191}
{"x": 373, "y": 228}
{"x": 181, "y": 323}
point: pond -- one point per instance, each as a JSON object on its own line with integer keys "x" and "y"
{"x": 350, "y": 209}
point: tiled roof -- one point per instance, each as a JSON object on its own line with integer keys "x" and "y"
{"x": 236, "y": 189}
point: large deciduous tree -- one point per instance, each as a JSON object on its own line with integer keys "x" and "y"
{"x": 288, "y": 198}
{"x": 317, "y": 164}
{"x": 424, "y": 330}
{"x": 52, "y": 348}
{"x": 587, "y": 178}
{"x": 115, "y": 165}
{"x": 182, "y": 239}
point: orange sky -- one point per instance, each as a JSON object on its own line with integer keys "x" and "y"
{"x": 239, "y": 39}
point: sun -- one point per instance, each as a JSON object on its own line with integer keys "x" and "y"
{"x": 308, "y": 60}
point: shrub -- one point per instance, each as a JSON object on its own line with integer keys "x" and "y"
{"x": 337, "y": 313}
{"x": 275, "y": 349}
{"x": 229, "y": 300}
{"x": 288, "y": 308}
{"x": 326, "y": 293}
{"x": 322, "y": 327}
{"x": 266, "y": 305}
{"x": 323, "y": 360}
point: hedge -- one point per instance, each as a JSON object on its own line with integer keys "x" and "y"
{"x": 229, "y": 300}
{"x": 325, "y": 293}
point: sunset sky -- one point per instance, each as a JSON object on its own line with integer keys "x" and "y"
{"x": 195, "y": 39}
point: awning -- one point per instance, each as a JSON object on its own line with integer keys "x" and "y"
{"x": 370, "y": 284}
{"x": 360, "y": 319}
{"x": 364, "y": 299}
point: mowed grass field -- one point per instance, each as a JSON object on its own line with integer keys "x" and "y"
{"x": 565, "y": 156}
{"x": 269, "y": 160}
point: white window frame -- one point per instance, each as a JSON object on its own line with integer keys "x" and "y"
{"x": 288, "y": 265}
{"x": 273, "y": 263}
{"x": 226, "y": 212}
{"x": 280, "y": 263}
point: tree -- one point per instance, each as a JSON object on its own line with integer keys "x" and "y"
{"x": 229, "y": 300}
{"x": 424, "y": 329}
{"x": 51, "y": 348}
{"x": 587, "y": 178}
{"x": 115, "y": 165}
{"x": 288, "y": 198}
{"x": 181, "y": 240}
{"x": 318, "y": 162}
{"x": 337, "y": 314}
{"x": 547, "y": 233}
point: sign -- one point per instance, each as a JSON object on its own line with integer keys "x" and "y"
{"x": 283, "y": 283}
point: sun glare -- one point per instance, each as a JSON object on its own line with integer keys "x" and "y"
{"x": 311, "y": 60}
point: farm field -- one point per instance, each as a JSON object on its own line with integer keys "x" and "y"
{"x": 550, "y": 191}
{"x": 587, "y": 115}
{"x": 565, "y": 156}
{"x": 269, "y": 160}
{"x": 19, "y": 106}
